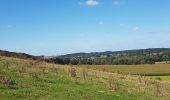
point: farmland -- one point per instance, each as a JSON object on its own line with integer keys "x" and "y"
{"x": 155, "y": 71}
{"x": 147, "y": 70}
{"x": 165, "y": 78}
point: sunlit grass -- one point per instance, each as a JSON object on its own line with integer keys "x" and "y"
{"x": 35, "y": 80}
{"x": 166, "y": 78}
{"x": 148, "y": 70}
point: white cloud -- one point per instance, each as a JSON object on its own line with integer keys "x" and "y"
{"x": 136, "y": 28}
{"x": 92, "y": 3}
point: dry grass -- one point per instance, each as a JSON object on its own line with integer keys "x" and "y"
{"x": 116, "y": 83}
{"x": 148, "y": 70}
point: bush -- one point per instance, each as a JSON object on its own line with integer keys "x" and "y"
{"x": 158, "y": 78}
{"x": 9, "y": 83}
{"x": 73, "y": 72}
{"x": 113, "y": 83}
{"x": 85, "y": 73}
{"x": 74, "y": 61}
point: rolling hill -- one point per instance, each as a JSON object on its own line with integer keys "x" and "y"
{"x": 35, "y": 80}
{"x": 126, "y": 57}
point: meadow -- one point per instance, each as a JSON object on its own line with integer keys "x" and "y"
{"x": 36, "y": 80}
{"x": 144, "y": 70}
{"x": 165, "y": 78}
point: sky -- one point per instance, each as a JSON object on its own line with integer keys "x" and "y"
{"x": 56, "y": 27}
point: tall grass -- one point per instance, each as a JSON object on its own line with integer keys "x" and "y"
{"x": 52, "y": 81}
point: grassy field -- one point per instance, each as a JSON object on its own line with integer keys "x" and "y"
{"x": 166, "y": 78}
{"x": 35, "y": 80}
{"x": 148, "y": 70}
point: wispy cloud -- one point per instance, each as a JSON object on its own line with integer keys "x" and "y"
{"x": 96, "y": 2}
{"x": 80, "y": 3}
{"x": 159, "y": 32}
{"x": 92, "y": 3}
{"x": 116, "y": 2}
{"x": 9, "y": 26}
{"x": 122, "y": 24}
{"x": 101, "y": 23}
{"x": 136, "y": 28}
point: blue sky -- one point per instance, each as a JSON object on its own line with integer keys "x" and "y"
{"x": 54, "y": 27}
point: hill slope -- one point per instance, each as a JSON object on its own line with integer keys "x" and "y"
{"x": 127, "y": 57}
{"x": 119, "y": 53}
{"x": 17, "y": 55}
{"x": 35, "y": 80}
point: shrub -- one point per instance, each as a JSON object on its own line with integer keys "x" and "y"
{"x": 35, "y": 76}
{"x": 113, "y": 83}
{"x": 55, "y": 70}
{"x": 158, "y": 78}
{"x": 43, "y": 68}
{"x": 73, "y": 72}
{"x": 85, "y": 73}
{"x": 9, "y": 83}
{"x": 146, "y": 81}
{"x": 140, "y": 79}
{"x": 6, "y": 65}
{"x": 22, "y": 69}
{"x": 158, "y": 88}
{"x": 74, "y": 61}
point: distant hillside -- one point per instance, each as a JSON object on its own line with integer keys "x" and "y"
{"x": 126, "y": 57}
{"x": 17, "y": 55}
{"x": 119, "y": 53}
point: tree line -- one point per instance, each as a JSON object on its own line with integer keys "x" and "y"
{"x": 112, "y": 60}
